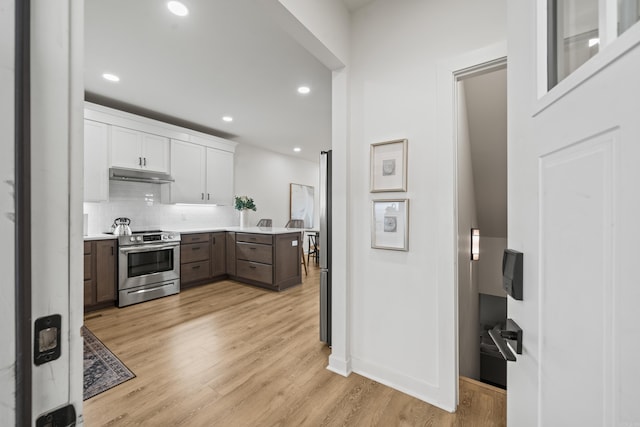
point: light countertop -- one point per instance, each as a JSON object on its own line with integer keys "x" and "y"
{"x": 100, "y": 236}
{"x": 256, "y": 230}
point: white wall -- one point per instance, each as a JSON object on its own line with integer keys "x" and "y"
{"x": 7, "y": 211}
{"x": 468, "y": 304}
{"x": 326, "y": 33}
{"x": 398, "y": 333}
{"x": 490, "y": 265}
{"x": 265, "y": 176}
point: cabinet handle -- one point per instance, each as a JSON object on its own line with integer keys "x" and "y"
{"x": 195, "y": 267}
{"x": 214, "y": 241}
{"x": 145, "y": 161}
{"x": 252, "y": 266}
{"x": 195, "y": 239}
{"x": 111, "y": 250}
{"x": 252, "y": 248}
{"x": 139, "y": 161}
{"x": 202, "y": 195}
{"x": 197, "y": 248}
{"x": 208, "y": 196}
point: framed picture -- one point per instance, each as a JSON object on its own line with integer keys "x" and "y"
{"x": 389, "y": 166}
{"x": 390, "y": 224}
{"x": 301, "y": 203}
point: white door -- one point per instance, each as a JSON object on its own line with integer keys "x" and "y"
{"x": 573, "y": 207}
{"x": 126, "y": 148}
{"x": 219, "y": 177}
{"x": 7, "y": 212}
{"x": 155, "y": 153}
{"x": 188, "y": 171}
{"x": 96, "y": 158}
{"x": 56, "y": 176}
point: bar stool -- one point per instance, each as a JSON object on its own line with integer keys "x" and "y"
{"x": 299, "y": 223}
{"x": 314, "y": 246}
{"x": 265, "y": 222}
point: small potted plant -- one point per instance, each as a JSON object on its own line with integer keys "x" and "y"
{"x": 244, "y": 204}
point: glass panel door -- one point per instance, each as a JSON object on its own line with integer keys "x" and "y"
{"x": 573, "y": 36}
{"x": 628, "y": 14}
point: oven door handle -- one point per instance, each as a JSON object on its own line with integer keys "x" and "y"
{"x": 148, "y": 248}
{"x": 143, "y": 291}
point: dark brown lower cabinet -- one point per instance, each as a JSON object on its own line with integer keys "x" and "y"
{"x": 268, "y": 260}
{"x": 218, "y": 254}
{"x": 202, "y": 258}
{"x": 100, "y": 274}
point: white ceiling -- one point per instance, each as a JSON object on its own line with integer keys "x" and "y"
{"x": 224, "y": 58}
{"x": 356, "y": 4}
{"x": 486, "y": 99}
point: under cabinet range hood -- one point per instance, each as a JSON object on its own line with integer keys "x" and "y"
{"x": 119, "y": 174}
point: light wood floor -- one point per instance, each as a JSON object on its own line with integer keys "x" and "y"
{"x": 228, "y": 354}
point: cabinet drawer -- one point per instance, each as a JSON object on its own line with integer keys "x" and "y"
{"x": 255, "y": 271}
{"x": 194, "y": 271}
{"x": 265, "y": 239}
{"x": 195, "y": 238}
{"x": 87, "y": 266}
{"x": 87, "y": 247}
{"x": 254, "y": 252}
{"x": 194, "y": 252}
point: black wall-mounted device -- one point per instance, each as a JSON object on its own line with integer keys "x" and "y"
{"x": 512, "y": 273}
{"x": 63, "y": 417}
{"x": 46, "y": 339}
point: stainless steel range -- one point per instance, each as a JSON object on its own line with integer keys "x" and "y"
{"x": 148, "y": 266}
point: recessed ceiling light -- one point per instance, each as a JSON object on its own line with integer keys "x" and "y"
{"x": 178, "y": 8}
{"x": 304, "y": 90}
{"x": 297, "y": 149}
{"x": 227, "y": 118}
{"x": 111, "y": 77}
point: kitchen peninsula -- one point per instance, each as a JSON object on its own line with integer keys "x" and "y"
{"x": 266, "y": 257}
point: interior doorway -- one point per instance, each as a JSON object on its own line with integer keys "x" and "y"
{"x": 481, "y": 128}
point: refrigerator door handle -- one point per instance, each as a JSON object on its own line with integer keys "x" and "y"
{"x": 324, "y": 312}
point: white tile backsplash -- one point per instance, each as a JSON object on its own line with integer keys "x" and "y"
{"x": 142, "y": 203}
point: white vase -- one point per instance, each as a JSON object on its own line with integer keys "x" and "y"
{"x": 244, "y": 218}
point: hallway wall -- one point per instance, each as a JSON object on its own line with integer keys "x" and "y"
{"x": 401, "y": 330}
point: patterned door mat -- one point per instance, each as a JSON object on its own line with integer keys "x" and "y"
{"x": 102, "y": 369}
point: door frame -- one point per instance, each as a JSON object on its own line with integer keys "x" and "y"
{"x": 449, "y": 73}
{"x": 22, "y": 165}
{"x": 460, "y": 75}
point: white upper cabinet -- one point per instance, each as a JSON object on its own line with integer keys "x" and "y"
{"x": 219, "y": 177}
{"x": 188, "y": 169}
{"x": 96, "y": 167}
{"x": 201, "y": 174}
{"x": 133, "y": 149}
{"x": 201, "y": 165}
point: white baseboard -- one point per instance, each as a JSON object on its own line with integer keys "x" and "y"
{"x": 339, "y": 366}
{"x": 419, "y": 389}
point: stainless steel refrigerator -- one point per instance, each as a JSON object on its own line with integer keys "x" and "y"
{"x": 325, "y": 247}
